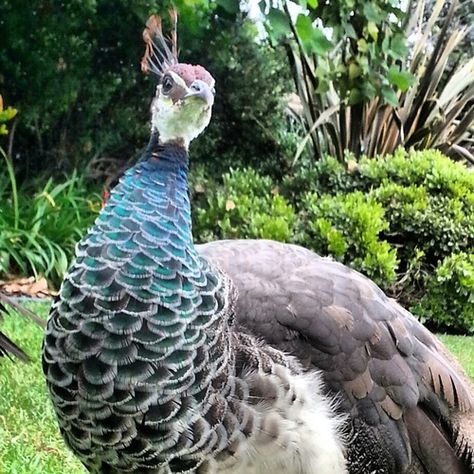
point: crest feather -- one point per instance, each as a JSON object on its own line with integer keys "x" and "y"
{"x": 159, "y": 55}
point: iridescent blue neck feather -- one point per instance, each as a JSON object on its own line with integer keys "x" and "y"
{"x": 157, "y": 190}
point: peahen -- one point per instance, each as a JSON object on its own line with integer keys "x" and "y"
{"x": 235, "y": 357}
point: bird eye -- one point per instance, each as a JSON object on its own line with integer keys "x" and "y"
{"x": 167, "y": 84}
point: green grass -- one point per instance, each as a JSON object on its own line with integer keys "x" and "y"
{"x": 30, "y": 442}
{"x": 462, "y": 347}
{"x": 29, "y": 438}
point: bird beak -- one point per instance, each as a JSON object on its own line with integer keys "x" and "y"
{"x": 200, "y": 90}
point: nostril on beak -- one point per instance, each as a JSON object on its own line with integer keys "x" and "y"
{"x": 202, "y": 90}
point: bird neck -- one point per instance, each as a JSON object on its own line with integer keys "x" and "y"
{"x": 172, "y": 151}
{"x": 158, "y": 185}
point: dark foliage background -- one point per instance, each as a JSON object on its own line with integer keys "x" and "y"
{"x": 72, "y": 70}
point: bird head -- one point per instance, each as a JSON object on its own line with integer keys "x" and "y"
{"x": 182, "y": 106}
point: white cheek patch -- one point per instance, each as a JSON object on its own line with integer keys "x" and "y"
{"x": 180, "y": 121}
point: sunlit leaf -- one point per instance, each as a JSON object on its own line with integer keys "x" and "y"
{"x": 362, "y": 45}
{"x": 304, "y": 28}
{"x": 354, "y": 70}
{"x": 373, "y": 30}
{"x": 313, "y": 38}
{"x": 402, "y": 79}
{"x": 279, "y": 23}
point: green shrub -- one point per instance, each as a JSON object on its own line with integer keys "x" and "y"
{"x": 246, "y": 205}
{"x": 348, "y": 227}
{"x": 428, "y": 200}
{"x": 449, "y": 297}
{"x": 429, "y": 168}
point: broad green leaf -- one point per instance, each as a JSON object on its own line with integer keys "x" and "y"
{"x": 398, "y": 47}
{"x": 304, "y": 28}
{"x": 402, "y": 79}
{"x": 350, "y": 30}
{"x": 372, "y": 30}
{"x": 355, "y": 97}
{"x": 372, "y": 12}
{"x": 321, "y": 45}
{"x": 279, "y": 23}
{"x": 313, "y": 38}
{"x": 389, "y": 96}
{"x": 362, "y": 45}
{"x": 354, "y": 70}
{"x": 313, "y": 3}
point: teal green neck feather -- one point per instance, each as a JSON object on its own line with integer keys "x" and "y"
{"x": 158, "y": 187}
{"x": 141, "y": 327}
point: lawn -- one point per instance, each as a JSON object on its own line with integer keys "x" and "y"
{"x": 29, "y": 438}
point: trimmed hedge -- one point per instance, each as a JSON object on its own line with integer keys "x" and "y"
{"x": 245, "y": 205}
{"x": 348, "y": 227}
{"x": 449, "y": 297}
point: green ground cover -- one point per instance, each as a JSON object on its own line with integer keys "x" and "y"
{"x": 29, "y": 439}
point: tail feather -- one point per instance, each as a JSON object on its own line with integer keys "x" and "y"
{"x": 463, "y": 427}
{"x": 6, "y": 301}
{"x": 436, "y": 446}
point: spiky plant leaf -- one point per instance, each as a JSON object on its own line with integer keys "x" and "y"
{"x": 433, "y": 107}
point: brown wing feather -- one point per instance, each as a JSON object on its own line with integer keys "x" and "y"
{"x": 380, "y": 360}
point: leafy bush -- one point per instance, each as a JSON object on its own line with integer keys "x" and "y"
{"x": 348, "y": 227}
{"x": 449, "y": 297}
{"x": 428, "y": 214}
{"x": 246, "y": 205}
{"x": 427, "y": 198}
{"x": 40, "y": 229}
